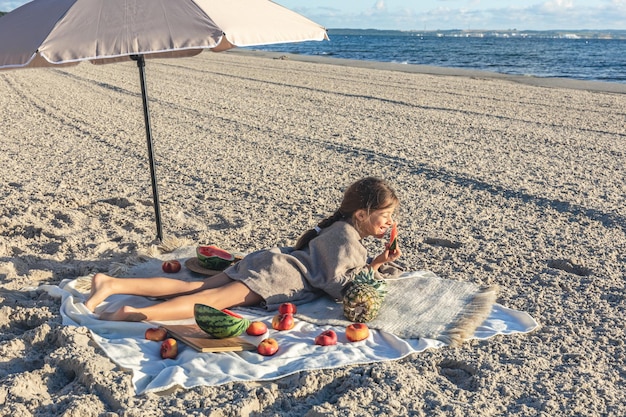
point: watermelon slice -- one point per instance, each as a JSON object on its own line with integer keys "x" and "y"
{"x": 214, "y": 258}
{"x": 220, "y": 324}
{"x": 393, "y": 237}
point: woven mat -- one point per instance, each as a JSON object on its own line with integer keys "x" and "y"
{"x": 418, "y": 304}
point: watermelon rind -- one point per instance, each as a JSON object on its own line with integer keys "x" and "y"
{"x": 218, "y": 324}
{"x": 212, "y": 257}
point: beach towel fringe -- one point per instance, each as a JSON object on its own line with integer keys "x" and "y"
{"x": 117, "y": 269}
{"x": 168, "y": 245}
{"x": 473, "y": 316}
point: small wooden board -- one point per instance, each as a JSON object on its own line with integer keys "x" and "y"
{"x": 192, "y": 335}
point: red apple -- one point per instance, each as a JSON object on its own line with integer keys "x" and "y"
{"x": 287, "y": 308}
{"x": 256, "y": 328}
{"x": 171, "y": 267}
{"x": 267, "y": 347}
{"x": 156, "y": 334}
{"x": 326, "y": 338}
{"x": 357, "y": 331}
{"x": 169, "y": 348}
{"x": 283, "y": 322}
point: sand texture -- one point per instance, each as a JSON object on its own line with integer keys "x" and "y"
{"x": 502, "y": 183}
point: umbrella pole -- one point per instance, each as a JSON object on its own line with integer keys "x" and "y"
{"x": 141, "y": 63}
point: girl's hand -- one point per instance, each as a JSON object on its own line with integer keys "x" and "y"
{"x": 392, "y": 255}
{"x": 386, "y": 256}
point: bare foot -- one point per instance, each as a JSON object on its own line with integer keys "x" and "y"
{"x": 100, "y": 290}
{"x": 125, "y": 313}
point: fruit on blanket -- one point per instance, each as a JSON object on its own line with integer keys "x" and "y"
{"x": 212, "y": 257}
{"x": 256, "y": 328}
{"x": 171, "y": 267}
{"x": 156, "y": 334}
{"x": 363, "y": 297}
{"x": 267, "y": 347}
{"x": 393, "y": 237}
{"x": 283, "y": 322}
{"x": 287, "y": 308}
{"x": 326, "y": 338}
{"x": 169, "y": 349}
{"x": 357, "y": 331}
{"x": 219, "y": 324}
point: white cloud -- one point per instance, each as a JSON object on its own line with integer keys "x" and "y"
{"x": 557, "y": 6}
{"x": 474, "y": 14}
{"x": 539, "y": 15}
{"x": 380, "y": 5}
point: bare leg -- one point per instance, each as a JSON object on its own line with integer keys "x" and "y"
{"x": 232, "y": 294}
{"x": 103, "y": 286}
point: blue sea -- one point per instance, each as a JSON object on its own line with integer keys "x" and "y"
{"x": 583, "y": 55}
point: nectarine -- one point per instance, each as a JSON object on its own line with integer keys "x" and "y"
{"x": 267, "y": 347}
{"x": 156, "y": 334}
{"x": 171, "y": 267}
{"x": 256, "y": 328}
{"x": 357, "y": 331}
{"x": 287, "y": 308}
{"x": 326, "y": 338}
{"x": 283, "y": 322}
{"x": 169, "y": 349}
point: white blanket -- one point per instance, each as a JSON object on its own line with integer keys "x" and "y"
{"x": 125, "y": 344}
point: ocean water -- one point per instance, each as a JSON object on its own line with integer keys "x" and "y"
{"x": 584, "y": 56}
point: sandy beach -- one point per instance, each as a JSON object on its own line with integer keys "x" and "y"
{"x": 509, "y": 181}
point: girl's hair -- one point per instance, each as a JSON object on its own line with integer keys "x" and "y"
{"x": 369, "y": 194}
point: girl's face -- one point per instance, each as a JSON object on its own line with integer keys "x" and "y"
{"x": 374, "y": 223}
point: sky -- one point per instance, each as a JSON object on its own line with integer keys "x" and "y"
{"x": 453, "y": 14}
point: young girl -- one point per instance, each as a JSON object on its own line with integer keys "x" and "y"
{"x": 324, "y": 260}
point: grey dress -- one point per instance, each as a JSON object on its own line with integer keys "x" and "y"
{"x": 329, "y": 262}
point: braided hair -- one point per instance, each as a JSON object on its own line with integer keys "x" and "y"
{"x": 369, "y": 194}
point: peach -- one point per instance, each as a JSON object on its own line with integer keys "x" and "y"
{"x": 287, "y": 308}
{"x": 357, "y": 331}
{"x": 267, "y": 347}
{"x": 156, "y": 334}
{"x": 326, "y": 338}
{"x": 169, "y": 348}
{"x": 256, "y": 328}
{"x": 171, "y": 267}
{"x": 283, "y": 322}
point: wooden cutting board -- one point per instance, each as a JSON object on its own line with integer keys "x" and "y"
{"x": 192, "y": 335}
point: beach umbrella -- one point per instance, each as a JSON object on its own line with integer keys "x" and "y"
{"x": 52, "y": 33}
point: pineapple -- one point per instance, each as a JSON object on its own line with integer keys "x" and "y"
{"x": 363, "y": 297}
